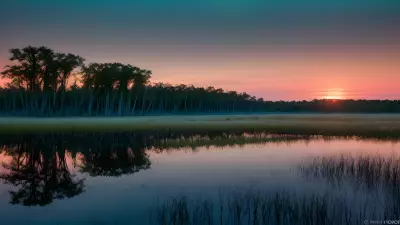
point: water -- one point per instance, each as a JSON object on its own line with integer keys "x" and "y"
{"x": 121, "y": 178}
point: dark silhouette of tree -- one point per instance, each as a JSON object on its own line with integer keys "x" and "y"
{"x": 41, "y": 67}
{"x": 109, "y": 76}
{"x": 49, "y": 69}
{"x": 67, "y": 64}
{"x": 28, "y": 69}
{"x": 141, "y": 77}
{"x": 98, "y": 76}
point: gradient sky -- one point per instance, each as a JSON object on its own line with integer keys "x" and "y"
{"x": 275, "y": 49}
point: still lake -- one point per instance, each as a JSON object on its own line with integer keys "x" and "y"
{"x": 124, "y": 178}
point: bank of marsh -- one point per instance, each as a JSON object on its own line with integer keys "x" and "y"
{"x": 323, "y": 124}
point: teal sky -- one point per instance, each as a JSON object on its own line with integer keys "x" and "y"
{"x": 276, "y": 49}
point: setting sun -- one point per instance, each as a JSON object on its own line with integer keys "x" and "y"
{"x": 332, "y": 97}
{"x": 333, "y": 94}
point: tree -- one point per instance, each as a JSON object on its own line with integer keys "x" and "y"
{"x": 27, "y": 69}
{"x": 141, "y": 77}
{"x": 38, "y": 67}
{"x": 109, "y": 76}
{"x": 49, "y": 65}
{"x": 67, "y": 64}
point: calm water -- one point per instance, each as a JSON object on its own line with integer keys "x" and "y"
{"x": 121, "y": 178}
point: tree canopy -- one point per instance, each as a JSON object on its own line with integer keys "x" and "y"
{"x": 109, "y": 76}
{"x": 40, "y": 68}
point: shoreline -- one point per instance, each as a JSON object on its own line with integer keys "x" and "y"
{"x": 313, "y": 124}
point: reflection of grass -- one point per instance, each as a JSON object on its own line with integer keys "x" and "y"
{"x": 89, "y": 143}
{"x": 223, "y": 140}
{"x": 195, "y": 142}
{"x": 324, "y": 124}
{"x": 253, "y": 208}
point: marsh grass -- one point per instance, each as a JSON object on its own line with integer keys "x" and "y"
{"x": 304, "y": 124}
{"x": 377, "y": 177}
{"x": 373, "y": 175}
{"x": 256, "y": 208}
{"x": 367, "y": 171}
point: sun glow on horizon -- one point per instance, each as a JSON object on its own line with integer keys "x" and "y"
{"x": 333, "y": 94}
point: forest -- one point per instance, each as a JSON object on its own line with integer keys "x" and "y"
{"x": 45, "y": 83}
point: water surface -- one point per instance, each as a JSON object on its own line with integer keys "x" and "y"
{"x": 121, "y": 178}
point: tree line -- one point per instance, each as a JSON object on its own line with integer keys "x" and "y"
{"x": 39, "y": 87}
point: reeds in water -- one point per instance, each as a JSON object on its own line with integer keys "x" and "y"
{"x": 256, "y": 208}
{"x": 368, "y": 171}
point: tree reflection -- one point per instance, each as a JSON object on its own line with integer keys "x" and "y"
{"x": 40, "y": 175}
{"x": 38, "y": 167}
{"x": 115, "y": 162}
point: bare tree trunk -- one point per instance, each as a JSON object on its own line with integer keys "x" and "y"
{"x": 134, "y": 105}
{"x": 149, "y": 104}
{"x": 120, "y": 106}
{"x": 143, "y": 100}
{"x": 186, "y": 103}
{"x": 90, "y": 103}
{"x": 128, "y": 104}
{"x": 106, "y": 105}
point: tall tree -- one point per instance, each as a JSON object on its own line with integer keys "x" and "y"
{"x": 49, "y": 69}
{"x": 27, "y": 68}
{"x": 36, "y": 67}
{"x": 99, "y": 76}
{"x": 67, "y": 64}
{"x": 142, "y": 77}
{"x": 107, "y": 76}
{"x": 124, "y": 75}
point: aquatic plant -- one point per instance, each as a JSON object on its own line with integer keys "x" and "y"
{"x": 257, "y": 207}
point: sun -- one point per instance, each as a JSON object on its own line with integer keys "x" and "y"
{"x": 333, "y": 97}
{"x": 333, "y": 94}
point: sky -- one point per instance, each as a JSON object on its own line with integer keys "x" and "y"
{"x": 275, "y": 49}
